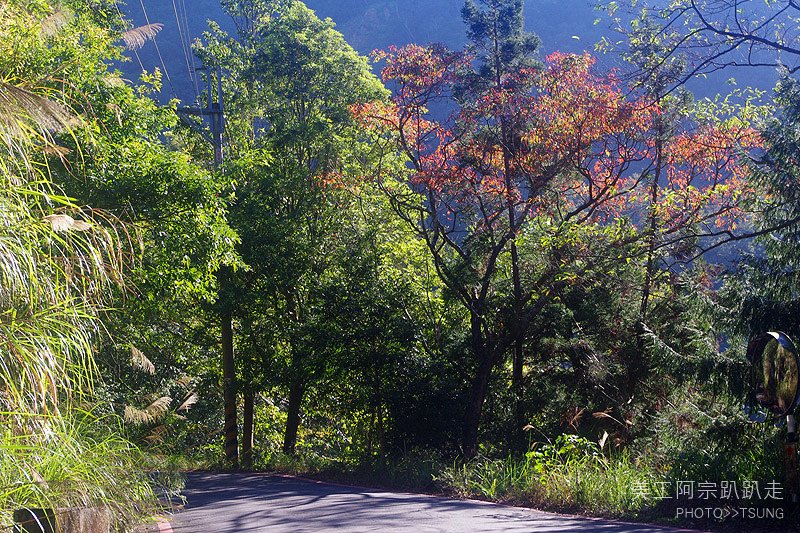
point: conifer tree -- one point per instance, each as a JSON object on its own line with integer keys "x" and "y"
{"x": 497, "y": 37}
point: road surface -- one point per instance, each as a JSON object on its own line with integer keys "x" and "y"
{"x": 228, "y": 503}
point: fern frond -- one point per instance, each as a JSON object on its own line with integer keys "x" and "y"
{"x": 188, "y": 402}
{"x": 140, "y": 360}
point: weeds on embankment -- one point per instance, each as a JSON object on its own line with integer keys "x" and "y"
{"x": 570, "y": 474}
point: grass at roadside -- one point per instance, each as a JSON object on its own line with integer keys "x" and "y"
{"x": 568, "y": 476}
{"x": 74, "y": 461}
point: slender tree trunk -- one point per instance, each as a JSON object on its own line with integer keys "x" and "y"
{"x": 381, "y": 434}
{"x": 517, "y": 384}
{"x": 477, "y": 397}
{"x": 478, "y": 391}
{"x": 248, "y": 421}
{"x": 653, "y": 227}
{"x": 229, "y": 390}
{"x": 293, "y": 416}
{"x": 378, "y": 400}
{"x": 635, "y": 368}
{"x": 517, "y": 361}
{"x": 370, "y": 432}
{"x": 518, "y": 356}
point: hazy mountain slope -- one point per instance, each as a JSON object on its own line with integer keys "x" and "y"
{"x": 367, "y": 25}
{"x": 567, "y": 25}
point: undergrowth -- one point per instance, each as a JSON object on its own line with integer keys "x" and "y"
{"x": 75, "y": 461}
{"x": 572, "y": 474}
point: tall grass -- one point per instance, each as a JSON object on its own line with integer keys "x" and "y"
{"x": 58, "y": 264}
{"x": 76, "y": 462}
{"x": 569, "y": 475}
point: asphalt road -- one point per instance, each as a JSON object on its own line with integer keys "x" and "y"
{"x": 227, "y": 503}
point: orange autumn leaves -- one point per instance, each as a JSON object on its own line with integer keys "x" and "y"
{"x": 559, "y": 141}
{"x": 707, "y": 176}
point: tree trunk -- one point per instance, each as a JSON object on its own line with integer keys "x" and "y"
{"x": 477, "y": 397}
{"x": 229, "y": 390}
{"x": 517, "y": 385}
{"x": 517, "y": 358}
{"x": 378, "y": 400}
{"x": 247, "y": 430}
{"x": 381, "y": 434}
{"x": 293, "y": 417}
{"x": 478, "y": 391}
{"x": 635, "y": 367}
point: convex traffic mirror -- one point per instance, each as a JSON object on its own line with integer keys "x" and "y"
{"x": 774, "y": 372}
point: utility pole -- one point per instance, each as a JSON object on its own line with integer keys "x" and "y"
{"x": 214, "y": 110}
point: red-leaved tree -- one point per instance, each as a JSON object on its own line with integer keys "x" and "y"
{"x": 554, "y": 156}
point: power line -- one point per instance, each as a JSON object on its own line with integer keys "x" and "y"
{"x": 196, "y": 77}
{"x": 135, "y": 53}
{"x": 184, "y": 46}
{"x": 180, "y": 35}
{"x": 158, "y": 51}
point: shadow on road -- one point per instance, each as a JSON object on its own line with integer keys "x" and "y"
{"x": 259, "y": 502}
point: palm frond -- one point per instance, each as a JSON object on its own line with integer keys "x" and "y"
{"x": 188, "y": 402}
{"x": 159, "y": 407}
{"x": 149, "y": 414}
{"x": 136, "y": 416}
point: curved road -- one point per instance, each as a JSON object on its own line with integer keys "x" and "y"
{"x": 228, "y": 503}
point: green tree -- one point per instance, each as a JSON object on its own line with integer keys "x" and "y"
{"x": 764, "y": 291}
{"x": 176, "y": 208}
{"x": 292, "y": 140}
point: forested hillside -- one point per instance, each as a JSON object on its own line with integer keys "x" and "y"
{"x": 567, "y": 26}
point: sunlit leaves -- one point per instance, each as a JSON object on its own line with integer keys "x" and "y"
{"x": 707, "y": 175}
{"x": 580, "y": 139}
